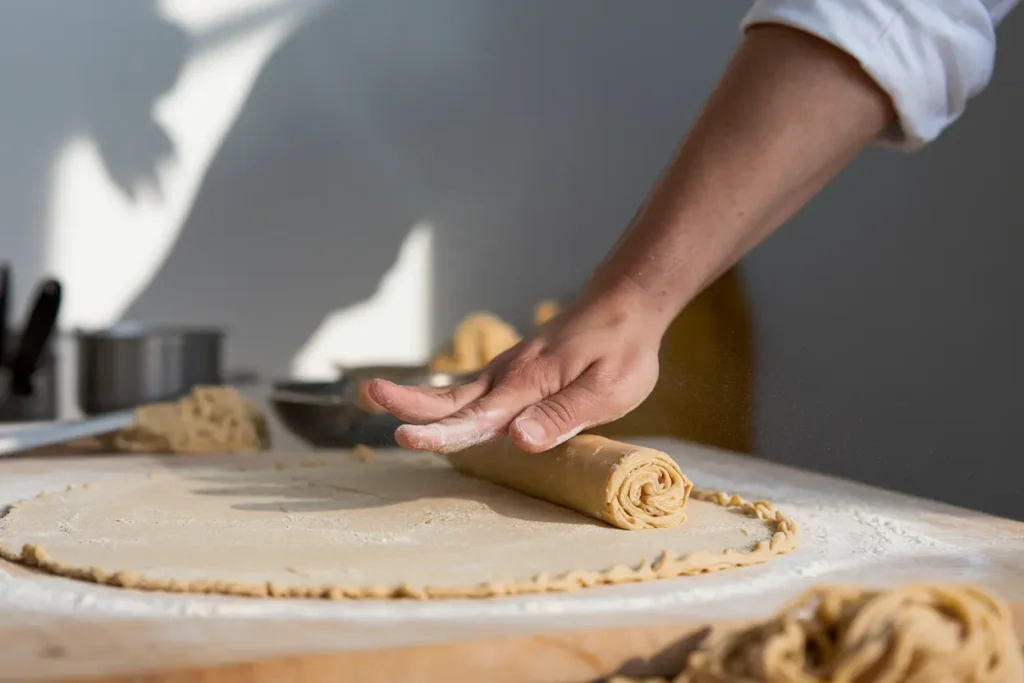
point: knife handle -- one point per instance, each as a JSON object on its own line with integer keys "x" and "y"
{"x": 5, "y": 297}
{"x": 41, "y": 322}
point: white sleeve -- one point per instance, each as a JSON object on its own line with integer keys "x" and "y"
{"x": 930, "y": 56}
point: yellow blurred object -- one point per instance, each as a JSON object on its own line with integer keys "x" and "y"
{"x": 478, "y": 339}
{"x": 545, "y": 311}
{"x": 705, "y": 390}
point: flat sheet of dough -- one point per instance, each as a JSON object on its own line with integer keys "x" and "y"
{"x": 404, "y": 525}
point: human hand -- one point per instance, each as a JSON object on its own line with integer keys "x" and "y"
{"x": 590, "y": 365}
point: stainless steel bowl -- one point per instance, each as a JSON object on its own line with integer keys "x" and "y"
{"x": 127, "y": 366}
{"x": 329, "y": 414}
{"x": 400, "y": 374}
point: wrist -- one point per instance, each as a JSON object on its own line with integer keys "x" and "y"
{"x": 664, "y": 257}
{"x": 653, "y": 310}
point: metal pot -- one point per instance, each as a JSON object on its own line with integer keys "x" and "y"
{"x": 127, "y": 366}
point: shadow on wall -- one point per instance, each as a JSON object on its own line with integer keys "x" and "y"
{"x": 476, "y": 117}
{"x": 77, "y": 69}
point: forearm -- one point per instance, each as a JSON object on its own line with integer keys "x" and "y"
{"x": 789, "y": 113}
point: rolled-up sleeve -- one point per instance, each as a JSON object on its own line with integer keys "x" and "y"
{"x": 930, "y": 56}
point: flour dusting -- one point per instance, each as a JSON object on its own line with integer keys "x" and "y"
{"x": 850, "y": 533}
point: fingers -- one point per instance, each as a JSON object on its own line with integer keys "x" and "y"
{"x": 478, "y": 422}
{"x": 419, "y": 405}
{"x": 364, "y": 393}
{"x": 365, "y": 399}
{"x": 561, "y": 416}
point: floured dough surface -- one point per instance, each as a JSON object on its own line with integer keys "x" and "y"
{"x": 403, "y": 524}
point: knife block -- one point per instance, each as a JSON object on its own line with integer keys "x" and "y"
{"x": 41, "y": 405}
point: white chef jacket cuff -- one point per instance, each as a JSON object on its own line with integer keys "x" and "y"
{"x": 929, "y": 57}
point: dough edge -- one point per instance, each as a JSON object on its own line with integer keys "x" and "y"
{"x": 785, "y": 538}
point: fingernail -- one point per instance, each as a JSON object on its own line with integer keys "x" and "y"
{"x": 530, "y": 429}
{"x": 373, "y": 386}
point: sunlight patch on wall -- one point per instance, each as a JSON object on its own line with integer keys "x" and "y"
{"x": 106, "y": 244}
{"x": 391, "y": 326}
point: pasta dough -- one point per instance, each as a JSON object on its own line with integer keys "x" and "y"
{"x": 403, "y": 525}
{"x": 482, "y": 337}
{"x": 210, "y": 420}
{"x": 478, "y": 339}
{"x": 913, "y": 634}
{"x": 626, "y": 486}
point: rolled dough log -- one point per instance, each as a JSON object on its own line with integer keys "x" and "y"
{"x": 629, "y": 487}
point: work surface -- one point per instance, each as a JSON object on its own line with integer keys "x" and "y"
{"x": 850, "y": 533}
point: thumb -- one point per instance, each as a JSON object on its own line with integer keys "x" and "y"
{"x": 561, "y": 416}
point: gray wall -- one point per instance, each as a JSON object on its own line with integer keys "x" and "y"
{"x": 528, "y": 133}
{"x": 890, "y": 316}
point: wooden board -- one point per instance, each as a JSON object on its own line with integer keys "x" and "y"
{"x": 57, "y": 641}
{"x": 560, "y": 656}
{"x": 79, "y": 650}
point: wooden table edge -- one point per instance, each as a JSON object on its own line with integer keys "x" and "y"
{"x": 560, "y": 656}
